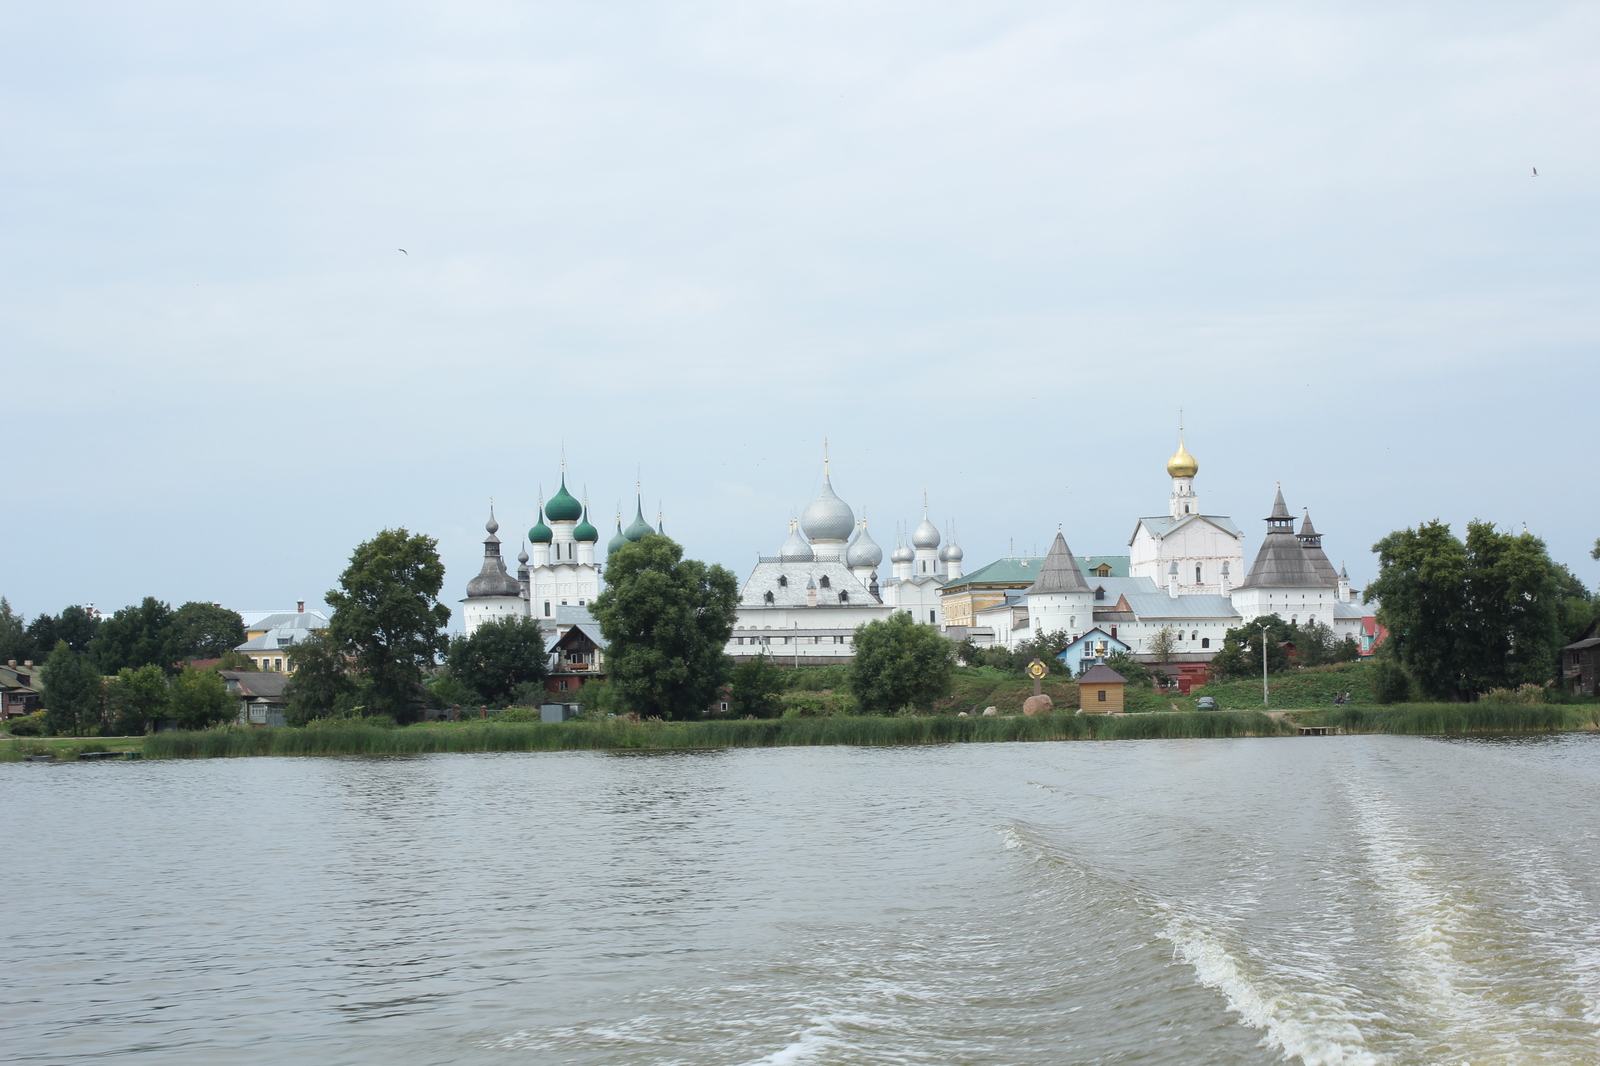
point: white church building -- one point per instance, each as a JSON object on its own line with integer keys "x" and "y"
{"x": 1186, "y": 578}
{"x": 805, "y": 602}
{"x": 558, "y": 568}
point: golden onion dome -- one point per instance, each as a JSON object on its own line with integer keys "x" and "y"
{"x": 1182, "y": 464}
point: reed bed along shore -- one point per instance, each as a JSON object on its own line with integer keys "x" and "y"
{"x": 619, "y": 735}
{"x": 1425, "y": 719}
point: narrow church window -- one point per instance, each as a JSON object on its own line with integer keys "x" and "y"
{"x": 930, "y": 618}
{"x": 1195, "y": 635}
{"x": 547, "y": 608}
{"x": 1197, "y": 573}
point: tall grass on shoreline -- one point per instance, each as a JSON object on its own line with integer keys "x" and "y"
{"x": 618, "y": 735}
{"x": 1423, "y": 719}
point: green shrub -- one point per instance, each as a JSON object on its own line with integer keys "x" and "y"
{"x": 519, "y": 714}
{"x": 1526, "y": 695}
{"x": 31, "y": 725}
{"x": 1390, "y": 682}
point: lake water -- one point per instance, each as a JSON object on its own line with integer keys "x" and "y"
{"x": 1342, "y": 900}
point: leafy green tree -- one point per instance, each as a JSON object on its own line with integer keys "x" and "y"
{"x": 1467, "y": 617}
{"x": 499, "y": 656}
{"x": 1390, "y": 684}
{"x": 1136, "y": 672}
{"x": 388, "y": 617}
{"x": 667, "y": 620}
{"x": 900, "y": 663}
{"x": 72, "y": 692}
{"x": 1240, "y": 655}
{"x": 15, "y": 643}
{"x": 205, "y": 631}
{"x": 1163, "y": 644}
{"x": 136, "y": 636}
{"x": 447, "y": 690}
{"x": 321, "y": 685}
{"x": 74, "y": 624}
{"x": 137, "y": 699}
{"x": 1045, "y": 647}
{"x": 1578, "y": 608}
{"x": 235, "y": 660}
{"x": 757, "y": 688}
{"x": 200, "y": 700}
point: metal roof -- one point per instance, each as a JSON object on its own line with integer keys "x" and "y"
{"x": 256, "y": 684}
{"x": 1282, "y": 563}
{"x": 307, "y": 620}
{"x": 1164, "y": 525}
{"x": 1060, "y": 571}
{"x": 1101, "y": 674}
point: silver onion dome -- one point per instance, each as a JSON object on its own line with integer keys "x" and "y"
{"x": 925, "y": 535}
{"x": 902, "y": 554}
{"x": 950, "y": 553}
{"x": 795, "y": 549}
{"x": 863, "y": 551}
{"x": 827, "y": 517}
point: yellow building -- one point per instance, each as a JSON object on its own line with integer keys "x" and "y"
{"x": 270, "y": 639}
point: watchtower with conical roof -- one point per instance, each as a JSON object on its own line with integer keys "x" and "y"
{"x": 1284, "y": 580}
{"x": 1059, "y": 598}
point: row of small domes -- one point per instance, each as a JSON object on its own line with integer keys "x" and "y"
{"x": 564, "y": 507}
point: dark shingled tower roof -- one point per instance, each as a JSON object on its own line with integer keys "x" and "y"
{"x": 1311, "y": 542}
{"x": 1060, "y": 571}
{"x": 493, "y": 580}
{"x": 1282, "y": 563}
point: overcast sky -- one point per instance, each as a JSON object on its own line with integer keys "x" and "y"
{"x": 988, "y": 249}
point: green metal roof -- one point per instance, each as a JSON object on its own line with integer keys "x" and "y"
{"x": 1024, "y": 570}
{"x": 540, "y": 533}
{"x": 585, "y": 531}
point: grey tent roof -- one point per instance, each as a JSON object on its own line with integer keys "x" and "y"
{"x": 1282, "y": 562}
{"x": 1311, "y": 541}
{"x": 1060, "y": 571}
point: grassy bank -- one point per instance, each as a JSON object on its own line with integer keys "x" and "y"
{"x": 1313, "y": 687}
{"x": 1421, "y": 719}
{"x": 15, "y": 749}
{"x": 618, "y": 735}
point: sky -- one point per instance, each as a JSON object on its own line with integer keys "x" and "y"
{"x": 987, "y": 251}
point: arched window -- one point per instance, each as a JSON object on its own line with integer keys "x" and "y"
{"x": 783, "y": 581}
{"x": 769, "y": 596}
{"x": 1197, "y": 573}
{"x": 1195, "y": 635}
{"x": 930, "y": 618}
{"x": 825, "y": 583}
{"x": 1205, "y": 642}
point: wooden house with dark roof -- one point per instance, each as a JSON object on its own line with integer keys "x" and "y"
{"x": 1580, "y": 664}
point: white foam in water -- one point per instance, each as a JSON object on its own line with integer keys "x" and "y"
{"x": 1432, "y": 920}
{"x": 821, "y": 1036}
{"x": 1317, "y": 1028}
{"x": 1314, "y": 1027}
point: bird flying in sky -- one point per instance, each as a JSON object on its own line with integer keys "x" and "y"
{"x": 404, "y": 252}
{"x": 1536, "y": 172}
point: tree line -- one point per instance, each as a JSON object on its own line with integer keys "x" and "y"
{"x": 122, "y": 674}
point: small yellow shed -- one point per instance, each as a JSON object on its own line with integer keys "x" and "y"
{"x": 1100, "y": 690}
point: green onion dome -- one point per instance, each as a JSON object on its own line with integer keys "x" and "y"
{"x": 617, "y": 541}
{"x": 540, "y": 534}
{"x": 562, "y": 506}
{"x": 585, "y": 531}
{"x": 638, "y": 529}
